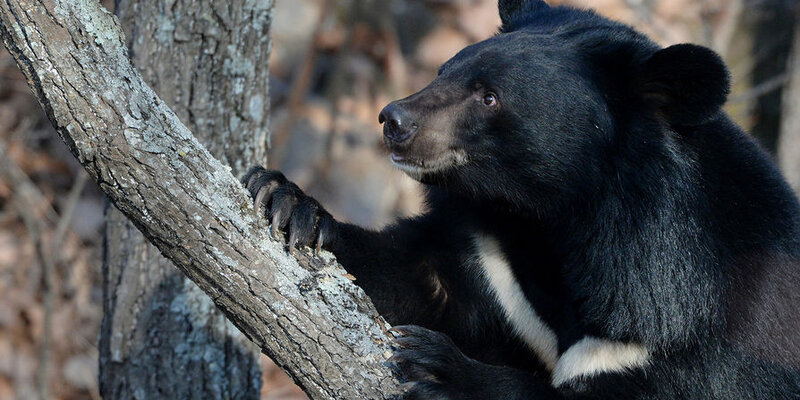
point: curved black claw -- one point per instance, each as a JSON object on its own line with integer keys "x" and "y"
{"x": 432, "y": 364}
{"x": 288, "y": 209}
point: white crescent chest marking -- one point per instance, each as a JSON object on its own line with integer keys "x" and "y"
{"x": 505, "y": 287}
{"x": 591, "y": 356}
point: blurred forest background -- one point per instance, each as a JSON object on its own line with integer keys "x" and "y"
{"x": 335, "y": 64}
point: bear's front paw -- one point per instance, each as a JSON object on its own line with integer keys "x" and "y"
{"x": 433, "y": 366}
{"x": 288, "y": 208}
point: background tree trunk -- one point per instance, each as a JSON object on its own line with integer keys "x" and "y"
{"x": 300, "y": 309}
{"x": 161, "y": 336}
{"x": 789, "y": 147}
{"x": 773, "y": 24}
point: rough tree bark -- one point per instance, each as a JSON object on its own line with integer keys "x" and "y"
{"x": 161, "y": 336}
{"x": 300, "y": 310}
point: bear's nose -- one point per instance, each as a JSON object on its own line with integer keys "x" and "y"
{"x": 398, "y": 125}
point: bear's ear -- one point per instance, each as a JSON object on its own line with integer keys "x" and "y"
{"x": 687, "y": 83}
{"x": 514, "y": 11}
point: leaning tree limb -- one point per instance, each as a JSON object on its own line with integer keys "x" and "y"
{"x": 300, "y": 309}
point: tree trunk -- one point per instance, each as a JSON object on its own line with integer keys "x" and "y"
{"x": 774, "y": 23}
{"x": 300, "y": 309}
{"x": 789, "y": 144}
{"x": 161, "y": 336}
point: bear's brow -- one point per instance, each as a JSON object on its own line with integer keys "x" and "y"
{"x": 466, "y": 52}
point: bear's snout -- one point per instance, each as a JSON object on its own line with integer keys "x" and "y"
{"x": 398, "y": 124}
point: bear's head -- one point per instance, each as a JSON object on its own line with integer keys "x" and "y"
{"x": 546, "y": 109}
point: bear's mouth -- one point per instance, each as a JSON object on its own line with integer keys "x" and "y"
{"x": 408, "y": 165}
{"x": 417, "y": 168}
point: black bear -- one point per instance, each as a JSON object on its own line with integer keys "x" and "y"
{"x": 598, "y": 228}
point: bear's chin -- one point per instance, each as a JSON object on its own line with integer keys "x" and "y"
{"x": 428, "y": 169}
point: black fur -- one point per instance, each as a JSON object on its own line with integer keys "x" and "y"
{"x": 514, "y": 11}
{"x": 627, "y": 204}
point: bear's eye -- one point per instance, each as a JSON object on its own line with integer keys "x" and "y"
{"x": 490, "y": 99}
